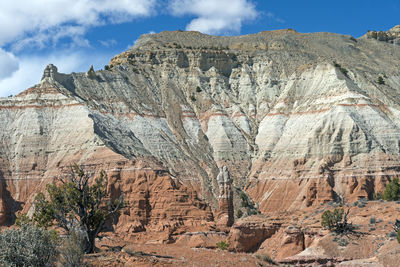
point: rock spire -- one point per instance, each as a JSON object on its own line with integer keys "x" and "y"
{"x": 225, "y": 198}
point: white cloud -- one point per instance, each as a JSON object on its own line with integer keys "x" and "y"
{"x": 108, "y": 43}
{"x": 30, "y": 22}
{"x": 8, "y": 64}
{"x": 31, "y": 68}
{"x": 215, "y": 17}
{"x": 42, "y": 23}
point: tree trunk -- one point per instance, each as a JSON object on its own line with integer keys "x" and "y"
{"x": 90, "y": 243}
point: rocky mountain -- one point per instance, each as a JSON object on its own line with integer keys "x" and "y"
{"x": 298, "y": 119}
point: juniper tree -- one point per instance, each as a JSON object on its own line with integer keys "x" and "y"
{"x": 77, "y": 202}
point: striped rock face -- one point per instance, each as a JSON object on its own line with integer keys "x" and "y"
{"x": 298, "y": 119}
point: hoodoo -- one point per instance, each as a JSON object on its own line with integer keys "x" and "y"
{"x": 225, "y": 199}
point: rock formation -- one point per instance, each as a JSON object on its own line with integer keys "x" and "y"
{"x": 225, "y": 217}
{"x": 390, "y": 36}
{"x": 297, "y": 118}
{"x": 157, "y": 202}
{"x": 247, "y": 234}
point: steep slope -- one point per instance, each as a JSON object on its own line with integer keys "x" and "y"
{"x": 298, "y": 119}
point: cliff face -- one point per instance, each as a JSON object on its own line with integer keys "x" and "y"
{"x": 298, "y": 119}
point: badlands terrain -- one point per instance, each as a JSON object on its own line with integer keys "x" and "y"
{"x": 302, "y": 122}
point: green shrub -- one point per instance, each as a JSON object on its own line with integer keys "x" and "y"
{"x": 222, "y": 245}
{"x": 193, "y": 98}
{"x": 372, "y": 220}
{"x": 243, "y": 196}
{"x": 245, "y": 199}
{"x": 28, "y": 246}
{"x": 342, "y": 70}
{"x": 22, "y": 219}
{"x": 331, "y": 219}
{"x": 398, "y": 236}
{"x": 342, "y": 242}
{"x": 381, "y": 80}
{"x": 392, "y": 234}
{"x": 239, "y": 213}
{"x": 377, "y": 196}
{"x": 392, "y": 190}
{"x": 336, "y": 220}
{"x": 198, "y": 89}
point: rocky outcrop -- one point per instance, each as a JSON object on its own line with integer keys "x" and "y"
{"x": 298, "y": 119}
{"x": 201, "y": 239}
{"x": 246, "y": 235}
{"x": 390, "y": 36}
{"x": 157, "y": 202}
{"x": 224, "y": 217}
{"x": 286, "y": 242}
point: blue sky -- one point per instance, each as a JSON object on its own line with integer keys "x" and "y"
{"x": 76, "y": 34}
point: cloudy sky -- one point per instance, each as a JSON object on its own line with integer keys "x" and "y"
{"x": 76, "y": 34}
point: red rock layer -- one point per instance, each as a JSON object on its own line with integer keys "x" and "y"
{"x": 156, "y": 201}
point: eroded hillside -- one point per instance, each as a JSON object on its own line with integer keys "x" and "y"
{"x": 299, "y": 119}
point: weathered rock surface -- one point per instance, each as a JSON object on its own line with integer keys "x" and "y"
{"x": 157, "y": 202}
{"x": 201, "y": 239}
{"x": 298, "y": 118}
{"x": 390, "y": 36}
{"x": 224, "y": 215}
{"x": 246, "y": 235}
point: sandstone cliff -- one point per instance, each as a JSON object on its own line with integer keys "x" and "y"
{"x": 298, "y": 119}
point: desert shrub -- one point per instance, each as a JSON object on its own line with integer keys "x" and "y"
{"x": 381, "y": 80}
{"x": 342, "y": 70}
{"x": 239, "y": 213}
{"x": 398, "y": 236}
{"x": 361, "y": 205}
{"x": 343, "y": 242}
{"x": 22, "y": 219}
{"x": 336, "y": 220}
{"x": 372, "y": 220}
{"x": 331, "y": 219}
{"x": 222, "y": 245}
{"x": 28, "y": 246}
{"x": 377, "y": 196}
{"x": 392, "y": 190}
{"x": 198, "y": 89}
{"x": 392, "y": 234}
{"x": 73, "y": 249}
{"x": 245, "y": 199}
{"x": 106, "y": 67}
{"x": 266, "y": 258}
{"x": 193, "y": 98}
{"x": 243, "y": 196}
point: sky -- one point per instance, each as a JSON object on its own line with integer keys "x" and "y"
{"x": 76, "y": 34}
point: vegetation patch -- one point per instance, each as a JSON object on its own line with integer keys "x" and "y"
{"x": 29, "y": 245}
{"x": 266, "y": 258}
{"x": 336, "y": 221}
{"x": 342, "y": 70}
{"x": 223, "y": 245}
{"x": 392, "y": 190}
